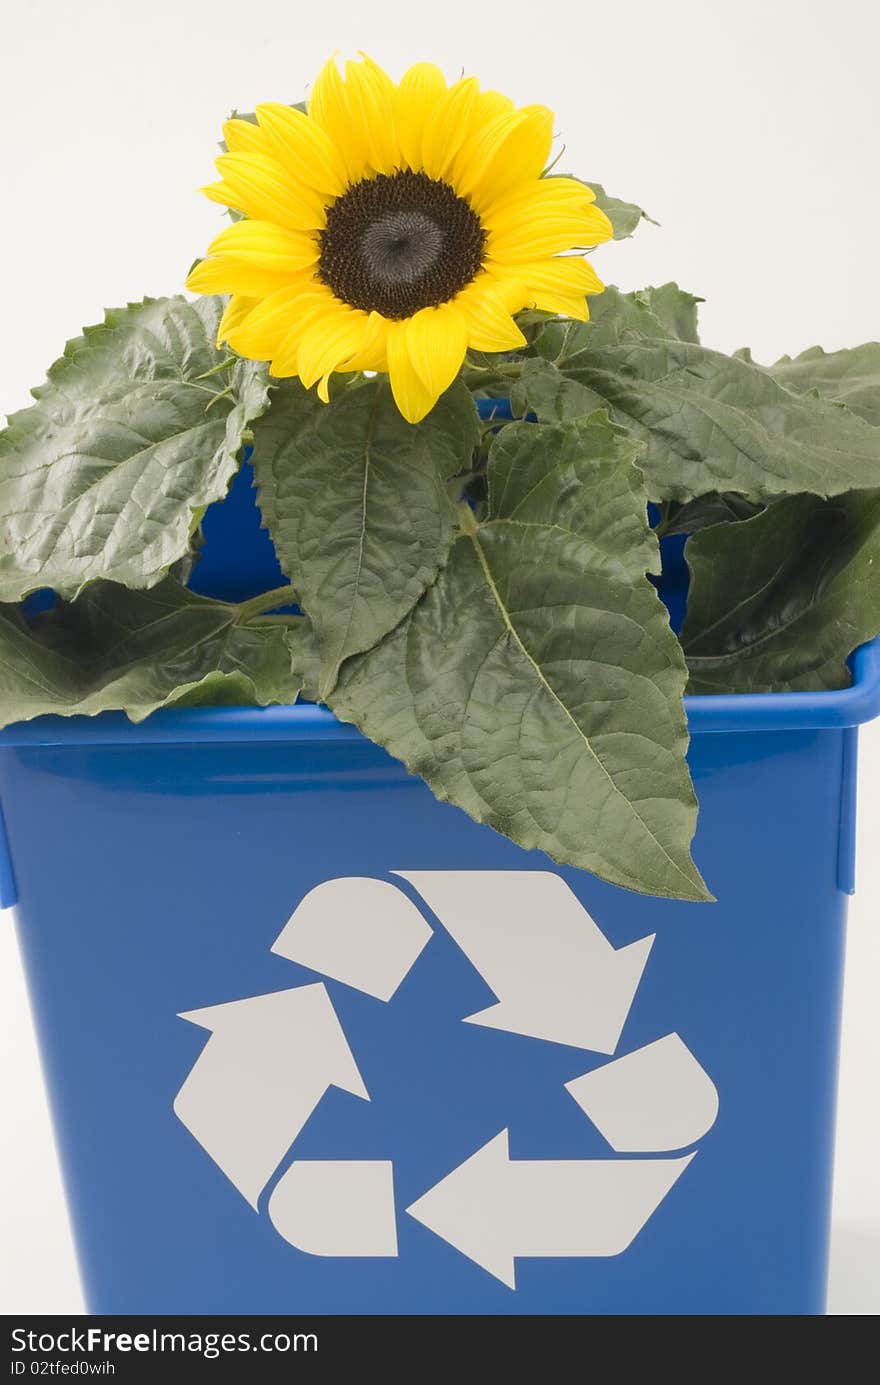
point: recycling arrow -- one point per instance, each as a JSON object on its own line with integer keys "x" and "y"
{"x": 555, "y": 974}
{"x": 361, "y": 931}
{"x": 494, "y": 1209}
{"x": 337, "y": 1207}
{"x": 653, "y": 1099}
{"x": 271, "y": 1058}
{"x": 268, "y": 1063}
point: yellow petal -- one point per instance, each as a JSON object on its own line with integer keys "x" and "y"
{"x": 560, "y": 305}
{"x": 436, "y": 340}
{"x": 244, "y": 137}
{"x": 338, "y": 108}
{"x": 372, "y": 353}
{"x": 421, "y": 88}
{"x": 569, "y": 275}
{"x": 544, "y": 292}
{"x": 276, "y": 318}
{"x": 329, "y": 342}
{"x": 486, "y": 309}
{"x": 489, "y": 104}
{"x": 234, "y": 313}
{"x": 521, "y": 155}
{"x": 285, "y": 359}
{"x": 303, "y": 147}
{"x": 411, "y": 395}
{"x": 504, "y": 285}
{"x": 263, "y": 190}
{"x": 555, "y": 286}
{"x": 369, "y": 94}
{"x": 538, "y": 233}
{"x": 448, "y": 126}
{"x": 218, "y": 274}
{"x": 328, "y": 106}
{"x": 530, "y": 149}
{"x": 537, "y": 195}
{"x": 478, "y": 154}
{"x": 220, "y": 192}
{"x": 266, "y": 245}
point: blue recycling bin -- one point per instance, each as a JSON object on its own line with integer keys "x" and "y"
{"x": 317, "y": 1043}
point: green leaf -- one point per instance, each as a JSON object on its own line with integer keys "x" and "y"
{"x": 115, "y": 649}
{"x": 555, "y": 393}
{"x": 357, "y": 503}
{"x": 674, "y": 308}
{"x": 132, "y": 436}
{"x": 706, "y": 511}
{"x": 543, "y": 391}
{"x": 615, "y": 317}
{"x": 537, "y": 686}
{"x": 305, "y": 654}
{"x": 777, "y": 603}
{"x": 578, "y": 476}
{"x": 624, "y": 216}
{"x": 710, "y": 423}
{"x": 852, "y": 376}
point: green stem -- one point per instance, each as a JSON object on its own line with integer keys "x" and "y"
{"x": 266, "y": 601}
{"x": 509, "y": 370}
{"x": 224, "y": 394}
{"x": 216, "y": 369}
{"x": 467, "y": 520}
{"x": 667, "y": 515}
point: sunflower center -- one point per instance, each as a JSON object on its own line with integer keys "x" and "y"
{"x": 400, "y": 242}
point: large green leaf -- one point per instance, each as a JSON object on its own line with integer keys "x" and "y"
{"x": 537, "y": 685}
{"x": 543, "y": 391}
{"x": 707, "y": 510}
{"x": 778, "y": 602}
{"x": 851, "y": 376}
{"x": 305, "y": 654}
{"x": 541, "y": 383}
{"x": 577, "y": 476}
{"x": 115, "y": 649}
{"x": 710, "y": 423}
{"x": 356, "y": 500}
{"x": 674, "y": 307}
{"x": 132, "y": 436}
{"x": 615, "y": 317}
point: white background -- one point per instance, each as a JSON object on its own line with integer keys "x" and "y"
{"x": 747, "y": 128}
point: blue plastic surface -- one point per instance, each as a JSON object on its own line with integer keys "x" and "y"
{"x": 155, "y": 867}
{"x": 237, "y": 559}
{"x": 154, "y": 879}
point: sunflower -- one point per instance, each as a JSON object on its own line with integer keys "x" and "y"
{"x": 391, "y": 228}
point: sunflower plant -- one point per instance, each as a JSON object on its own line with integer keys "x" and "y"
{"x": 471, "y": 458}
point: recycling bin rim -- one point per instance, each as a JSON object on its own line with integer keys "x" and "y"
{"x": 714, "y": 713}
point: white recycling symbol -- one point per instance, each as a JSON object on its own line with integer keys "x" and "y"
{"x": 271, "y": 1058}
